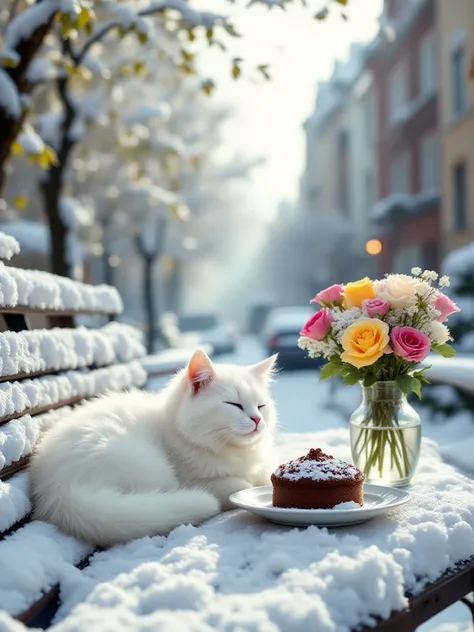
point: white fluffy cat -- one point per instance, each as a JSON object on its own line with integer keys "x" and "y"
{"x": 134, "y": 464}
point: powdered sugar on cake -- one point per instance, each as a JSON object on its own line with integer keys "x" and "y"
{"x": 318, "y": 466}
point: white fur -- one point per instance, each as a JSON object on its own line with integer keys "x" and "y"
{"x": 134, "y": 464}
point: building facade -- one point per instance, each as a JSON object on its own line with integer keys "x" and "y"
{"x": 404, "y": 62}
{"x": 456, "y": 115}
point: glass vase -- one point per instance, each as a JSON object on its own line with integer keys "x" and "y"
{"x": 385, "y": 435}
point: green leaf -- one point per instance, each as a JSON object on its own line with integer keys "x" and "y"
{"x": 321, "y": 15}
{"x": 444, "y": 350}
{"x": 209, "y": 33}
{"x": 263, "y": 68}
{"x": 420, "y": 375}
{"x": 409, "y": 384}
{"x": 351, "y": 378}
{"x": 231, "y": 29}
{"x": 331, "y": 369}
{"x": 369, "y": 380}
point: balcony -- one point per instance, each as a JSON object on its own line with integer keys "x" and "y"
{"x": 398, "y": 207}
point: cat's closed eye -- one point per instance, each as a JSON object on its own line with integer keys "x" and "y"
{"x": 261, "y": 406}
{"x": 237, "y": 405}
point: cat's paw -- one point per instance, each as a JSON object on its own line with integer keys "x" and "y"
{"x": 222, "y": 488}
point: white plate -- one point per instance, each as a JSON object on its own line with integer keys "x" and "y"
{"x": 377, "y": 500}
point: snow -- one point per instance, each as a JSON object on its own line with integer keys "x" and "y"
{"x": 18, "y": 437}
{"x": 33, "y": 559}
{"x": 14, "y": 501}
{"x": 317, "y": 467}
{"x": 147, "y": 111}
{"x": 74, "y": 213}
{"x": 32, "y": 236}
{"x": 458, "y": 262}
{"x": 9, "y": 97}
{"x": 43, "y": 290}
{"x": 27, "y": 394}
{"x": 27, "y": 21}
{"x": 60, "y": 349}
{"x": 9, "y": 246}
{"x": 30, "y": 141}
{"x": 41, "y": 69}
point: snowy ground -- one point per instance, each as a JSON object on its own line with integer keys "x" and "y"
{"x": 306, "y": 405}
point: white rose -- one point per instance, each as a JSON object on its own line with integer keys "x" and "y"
{"x": 397, "y": 289}
{"x": 439, "y": 333}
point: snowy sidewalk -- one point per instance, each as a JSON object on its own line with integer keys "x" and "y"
{"x": 239, "y": 572}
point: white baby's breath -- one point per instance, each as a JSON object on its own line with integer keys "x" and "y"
{"x": 416, "y": 271}
{"x": 429, "y": 275}
{"x": 444, "y": 281}
{"x": 342, "y": 320}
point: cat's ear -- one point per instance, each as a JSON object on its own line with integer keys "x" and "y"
{"x": 264, "y": 369}
{"x": 200, "y": 371}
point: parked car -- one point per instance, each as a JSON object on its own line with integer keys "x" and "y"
{"x": 207, "y": 329}
{"x": 280, "y": 335}
{"x": 257, "y": 316}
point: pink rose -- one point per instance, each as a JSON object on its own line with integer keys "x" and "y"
{"x": 446, "y": 306}
{"x": 332, "y": 294}
{"x": 410, "y": 343}
{"x": 317, "y": 326}
{"x": 375, "y": 306}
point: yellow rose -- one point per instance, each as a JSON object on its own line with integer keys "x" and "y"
{"x": 355, "y": 293}
{"x": 365, "y": 341}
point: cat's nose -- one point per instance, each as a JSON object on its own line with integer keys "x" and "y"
{"x": 256, "y": 420}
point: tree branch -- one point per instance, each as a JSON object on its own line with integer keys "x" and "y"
{"x": 196, "y": 17}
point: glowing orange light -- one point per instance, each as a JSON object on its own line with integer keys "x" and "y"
{"x": 373, "y": 247}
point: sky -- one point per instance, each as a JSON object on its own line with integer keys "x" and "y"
{"x": 268, "y": 116}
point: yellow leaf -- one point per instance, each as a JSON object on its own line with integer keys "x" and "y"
{"x": 33, "y": 159}
{"x": 20, "y": 202}
{"x": 43, "y": 160}
{"x": 86, "y": 16}
{"x": 51, "y": 155}
{"x": 236, "y": 71}
{"x": 8, "y": 62}
{"x": 17, "y": 149}
{"x": 343, "y": 2}
{"x": 142, "y": 38}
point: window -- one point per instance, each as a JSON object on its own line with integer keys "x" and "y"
{"x": 397, "y": 91}
{"x": 370, "y": 193}
{"x": 406, "y": 258}
{"x": 429, "y": 163}
{"x": 368, "y": 108}
{"x": 400, "y": 174}
{"x": 460, "y": 196}
{"x": 427, "y": 67}
{"x": 458, "y": 81}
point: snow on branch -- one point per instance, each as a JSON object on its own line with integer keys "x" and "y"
{"x": 26, "y": 22}
{"x": 9, "y": 246}
{"x": 9, "y": 98}
{"x": 128, "y": 18}
{"x": 66, "y": 349}
{"x": 34, "y": 288}
{"x": 17, "y": 397}
{"x": 74, "y": 213}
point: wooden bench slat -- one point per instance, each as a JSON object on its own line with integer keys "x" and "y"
{"x": 47, "y": 311}
{"x": 9, "y": 470}
{"x": 43, "y": 409}
{"x": 24, "y": 376}
{"x": 450, "y": 588}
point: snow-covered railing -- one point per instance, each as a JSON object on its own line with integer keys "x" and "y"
{"x": 48, "y": 392}
{"x": 37, "y": 352}
{"x": 22, "y": 291}
{"x": 457, "y": 371}
{"x": 9, "y": 246}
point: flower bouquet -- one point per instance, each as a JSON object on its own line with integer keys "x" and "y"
{"x": 377, "y": 333}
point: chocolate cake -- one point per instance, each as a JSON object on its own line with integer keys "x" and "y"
{"x": 317, "y": 481}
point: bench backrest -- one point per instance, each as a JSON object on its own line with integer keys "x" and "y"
{"x": 44, "y": 372}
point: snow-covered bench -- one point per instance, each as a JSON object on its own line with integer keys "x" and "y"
{"x": 43, "y": 372}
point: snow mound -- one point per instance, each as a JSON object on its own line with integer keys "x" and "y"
{"x": 9, "y": 246}
{"x": 35, "y": 288}
{"x": 14, "y": 501}
{"x": 32, "y": 236}
{"x": 61, "y": 349}
{"x": 17, "y": 397}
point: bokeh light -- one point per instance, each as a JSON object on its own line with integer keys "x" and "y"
{"x": 373, "y": 247}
